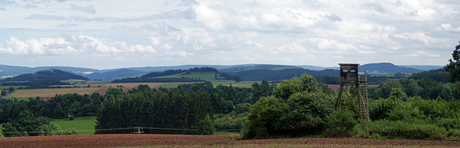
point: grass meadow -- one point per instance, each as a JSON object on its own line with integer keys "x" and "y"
{"x": 7, "y": 87}
{"x": 84, "y": 126}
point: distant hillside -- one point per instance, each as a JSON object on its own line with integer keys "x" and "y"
{"x": 386, "y": 68}
{"x": 52, "y": 74}
{"x": 270, "y": 75}
{"x": 310, "y": 67}
{"x": 116, "y": 74}
{"x": 258, "y": 67}
{"x": 191, "y": 75}
{"x": 183, "y": 67}
{"x": 6, "y": 70}
{"x": 439, "y": 75}
{"x": 423, "y": 67}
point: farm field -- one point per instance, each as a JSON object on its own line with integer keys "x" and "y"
{"x": 246, "y": 84}
{"x": 50, "y": 92}
{"x": 84, "y": 126}
{"x": 158, "y": 140}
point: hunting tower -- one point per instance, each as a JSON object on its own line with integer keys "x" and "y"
{"x": 349, "y": 76}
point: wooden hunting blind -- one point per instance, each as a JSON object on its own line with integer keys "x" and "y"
{"x": 349, "y": 75}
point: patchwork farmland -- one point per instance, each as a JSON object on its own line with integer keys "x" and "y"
{"x": 100, "y": 88}
{"x": 49, "y": 92}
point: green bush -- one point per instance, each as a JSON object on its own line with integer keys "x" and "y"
{"x": 206, "y": 127}
{"x": 231, "y": 120}
{"x": 379, "y": 109}
{"x": 448, "y": 124}
{"x": 340, "y": 123}
{"x": 395, "y": 129}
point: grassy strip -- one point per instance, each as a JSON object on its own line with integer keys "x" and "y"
{"x": 7, "y": 87}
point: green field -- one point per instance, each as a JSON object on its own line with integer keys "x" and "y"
{"x": 84, "y": 126}
{"x": 7, "y": 87}
{"x": 245, "y": 84}
{"x": 208, "y": 76}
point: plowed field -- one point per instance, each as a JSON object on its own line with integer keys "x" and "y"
{"x": 153, "y": 140}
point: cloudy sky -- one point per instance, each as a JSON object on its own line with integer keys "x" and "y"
{"x": 118, "y": 33}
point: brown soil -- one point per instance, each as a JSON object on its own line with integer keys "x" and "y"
{"x": 135, "y": 140}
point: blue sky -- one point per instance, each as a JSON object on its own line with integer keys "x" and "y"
{"x": 118, "y": 33}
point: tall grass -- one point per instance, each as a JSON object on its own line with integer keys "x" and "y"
{"x": 399, "y": 129}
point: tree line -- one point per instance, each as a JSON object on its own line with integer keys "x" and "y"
{"x": 174, "y": 108}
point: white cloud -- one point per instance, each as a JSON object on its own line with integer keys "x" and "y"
{"x": 66, "y": 25}
{"x": 209, "y": 17}
{"x": 449, "y": 27}
{"x": 39, "y": 46}
{"x": 322, "y": 43}
{"x": 45, "y": 17}
{"x": 423, "y": 53}
{"x": 420, "y": 36}
{"x": 155, "y": 41}
{"x": 315, "y": 32}
{"x": 87, "y": 9}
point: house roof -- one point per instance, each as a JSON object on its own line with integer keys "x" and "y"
{"x": 44, "y": 99}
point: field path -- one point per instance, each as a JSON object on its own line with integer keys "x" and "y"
{"x": 135, "y": 140}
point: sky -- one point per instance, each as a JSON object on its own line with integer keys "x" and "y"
{"x": 105, "y": 34}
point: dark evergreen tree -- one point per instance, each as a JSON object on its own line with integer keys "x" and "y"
{"x": 58, "y": 112}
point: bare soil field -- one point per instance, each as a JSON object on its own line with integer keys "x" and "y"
{"x": 336, "y": 87}
{"x": 155, "y": 140}
{"x": 49, "y": 92}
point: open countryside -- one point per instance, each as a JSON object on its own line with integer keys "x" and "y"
{"x": 101, "y": 87}
{"x": 219, "y": 73}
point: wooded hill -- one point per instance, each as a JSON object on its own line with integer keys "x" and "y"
{"x": 191, "y": 75}
{"x": 386, "y": 68}
{"x": 115, "y": 74}
{"x": 52, "y": 74}
{"x": 258, "y": 67}
{"x": 270, "y": 75}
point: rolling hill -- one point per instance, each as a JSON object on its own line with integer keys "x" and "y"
{"x": 51, "y": 74}
{"x": 115, "y": 74}
{"x": 386, "y": 68}
{"x": 271, "y": 75}
{"x": 191, "y": 75}
{"x": 118, "y": 73}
